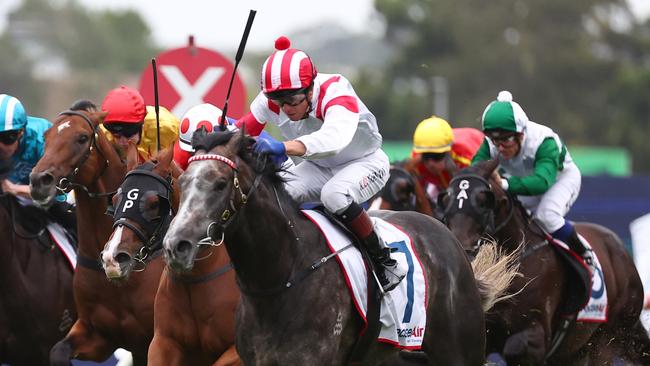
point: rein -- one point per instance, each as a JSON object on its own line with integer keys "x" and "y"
{"x": 200, "y": 279}
{"x": 66, "y": 183}
{"x": 227, "y": 216}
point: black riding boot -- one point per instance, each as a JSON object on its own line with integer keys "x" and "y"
{"x": 388, "y": 270}
{"x": 578, "y": 246}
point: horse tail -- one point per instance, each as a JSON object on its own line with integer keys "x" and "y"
{"x": 494, "y": 271}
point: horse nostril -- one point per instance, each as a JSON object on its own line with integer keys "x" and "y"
{"x": 47, "y": 179}
{"x": 122, "y": 258}
{"x": 183, "y": 246}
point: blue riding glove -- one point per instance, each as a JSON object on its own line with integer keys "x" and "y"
{"x": 266, "y": 144}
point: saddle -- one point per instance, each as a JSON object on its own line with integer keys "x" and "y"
{"x": 578, "y": 280}
{"x": 28, "y": 222}
{"x": 374, "y": 295}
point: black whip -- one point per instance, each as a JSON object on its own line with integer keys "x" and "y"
{"x": 240, "y": 52}
{"x": 156, "y": 104}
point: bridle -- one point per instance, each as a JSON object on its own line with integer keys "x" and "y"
{"x": 464, "y": 190}
{"x": 154, "y": 227}
{"x": 66, "y": 183}
{"x": 229, "y": 213}
{"x": 390, "y": 194}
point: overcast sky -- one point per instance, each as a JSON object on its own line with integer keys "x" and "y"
{"x": 220, "y": 24}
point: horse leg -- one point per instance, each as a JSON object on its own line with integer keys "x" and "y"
{"x": 165, "y": 351}
{"x": 634, "y": 344}
{"x": 82, "y": 342}
{"x": 527, "y": 346}
{"x": 228, "y": 358}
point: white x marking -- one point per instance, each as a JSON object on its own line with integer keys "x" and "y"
{"x": 191, "y": 95}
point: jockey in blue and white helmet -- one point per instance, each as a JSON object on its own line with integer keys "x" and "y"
{"x": 21, "y": 141}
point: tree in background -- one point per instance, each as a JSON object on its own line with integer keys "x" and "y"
{"x": 563, "y": 61}
{"x": 94, "y": 50}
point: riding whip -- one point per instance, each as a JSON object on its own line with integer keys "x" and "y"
{"x": 156, "y": 104}
{"x": 240, "y": 52}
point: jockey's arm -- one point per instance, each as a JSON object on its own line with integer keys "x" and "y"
{"x": 547, "y": 163}
{"x": 295, "y": 148}
{"x": 339, "y": 126}
{"x": 22, "y": 190}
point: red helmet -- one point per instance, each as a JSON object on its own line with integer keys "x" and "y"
{"x": 124, "y": 105}
{"x": 287, "y": 69}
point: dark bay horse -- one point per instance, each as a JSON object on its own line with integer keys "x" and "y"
{"x": 523, "y": 330}
{"x": 194, "y": 311}
{"x": 289, "y": 314}
{"x": 36, "y": 304}
{"x": 402, "y": 192}
{"x": 78, "y": 156}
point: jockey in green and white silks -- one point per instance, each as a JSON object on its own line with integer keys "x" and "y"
{"x": 536, "y": 164}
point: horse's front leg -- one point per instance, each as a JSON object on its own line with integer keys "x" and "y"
{"x": 82, "y": 342}
{"x": 527, "y": 347}
{"x": 165, "y": 351}
{"x": 228, "y": 358}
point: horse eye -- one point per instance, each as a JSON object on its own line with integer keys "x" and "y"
{"x": 82, "y": 139}
{"x": 221, "y": 184}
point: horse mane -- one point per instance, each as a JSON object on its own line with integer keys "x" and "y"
{"x": 482, "y": 168}
{"x": 260, "y": 163}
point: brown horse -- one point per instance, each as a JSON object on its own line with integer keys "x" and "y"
{"x": 78, "y": 156}
{"x": 295, "y": 307}
{"x": 526, "y": 329}
{"x": 31, "y": 270}
{"x": 195, "y": 310}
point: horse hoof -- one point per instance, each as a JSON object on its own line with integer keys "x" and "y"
{"x": 61, "y": 354}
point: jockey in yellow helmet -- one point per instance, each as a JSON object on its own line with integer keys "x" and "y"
{"x": 438, "y": 151}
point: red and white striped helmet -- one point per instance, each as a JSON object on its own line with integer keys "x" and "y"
{"x": 287, "y": 68}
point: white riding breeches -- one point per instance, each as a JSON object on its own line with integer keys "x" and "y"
{"x": 550, "y": 208}
{"x": 337, "y": 187}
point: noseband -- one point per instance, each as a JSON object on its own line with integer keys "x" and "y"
{"x": 66, "y": 183}
{"x": 229, "y": 213}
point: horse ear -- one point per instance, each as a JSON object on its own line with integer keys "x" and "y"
{"x": 490, "y": 167}
{"x": 98, "y": 117}
{"x": 131, "y": 156}
{"x": 165, "y": 158}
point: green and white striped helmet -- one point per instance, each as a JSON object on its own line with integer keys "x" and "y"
{"x": 504, "y": 114}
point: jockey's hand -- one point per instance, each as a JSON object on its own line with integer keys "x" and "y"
{"x": 267, "y": 145}
{"x": 15, "y": 189}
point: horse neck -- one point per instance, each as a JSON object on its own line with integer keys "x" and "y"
{"x": 263, "y": 246}
{"x": 517, "y": 232}
{"x": 93, "y": 225}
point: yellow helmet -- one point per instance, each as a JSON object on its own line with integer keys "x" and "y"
{"x": 433, "y": 135}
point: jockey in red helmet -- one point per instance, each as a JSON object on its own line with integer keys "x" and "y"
{"x": 323, "y": 121}
{"x": 130, "y": 121}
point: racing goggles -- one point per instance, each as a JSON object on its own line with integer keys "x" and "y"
{"x": 126, "y": 130}
{"x": 291, "y": 100}
{"x": 9, "y": 137}
{"x": 434, "y": 156}
{"x": 502, "y": 140}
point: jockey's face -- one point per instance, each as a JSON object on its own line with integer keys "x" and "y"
{"x": 434, "y": 162}
{"x": 508, "y": 146}
{"x": 9, "y": 145}
{"x": 299, "y": 107}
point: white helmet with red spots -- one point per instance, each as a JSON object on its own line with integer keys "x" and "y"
{"x": 202, "y": 115}
{"x": 287, "y": 69}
